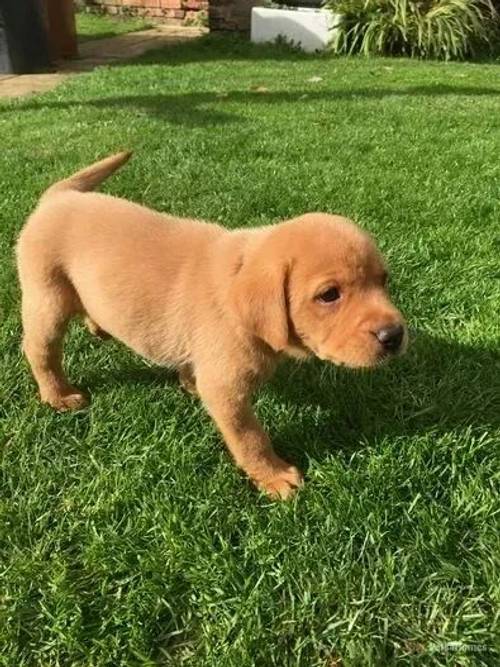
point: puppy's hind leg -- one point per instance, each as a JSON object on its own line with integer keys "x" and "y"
{"x": 46, "y": 309}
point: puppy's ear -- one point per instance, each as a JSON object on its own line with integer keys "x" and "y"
{"x": 258, "y": 295}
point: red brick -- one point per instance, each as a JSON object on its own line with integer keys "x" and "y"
{"x": 174, "y": 13}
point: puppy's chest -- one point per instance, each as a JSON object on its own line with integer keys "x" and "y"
{"x": 164, "y": 345}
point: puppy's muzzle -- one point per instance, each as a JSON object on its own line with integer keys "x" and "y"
{"x": 391, "y": 338}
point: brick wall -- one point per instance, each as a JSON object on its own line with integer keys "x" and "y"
{"x": 185, "y": 12}
{"x": 231, "y": 15}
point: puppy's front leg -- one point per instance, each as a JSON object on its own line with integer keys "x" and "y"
{"x": 246, "y": 439}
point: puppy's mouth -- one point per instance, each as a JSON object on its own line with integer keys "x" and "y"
{"x": 310, "y": 348}
{"x": 368, "y": 360}
{"x": 379, "y": 358}
{"x": 351, "y": 364}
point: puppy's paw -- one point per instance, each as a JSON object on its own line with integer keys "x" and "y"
{"x": 73, "y": 400}
{"x": 187, "y": 381}
{"x": 96, "y": 330}
{"x": 283, "y": 484}
{"x": 188, "y": 386}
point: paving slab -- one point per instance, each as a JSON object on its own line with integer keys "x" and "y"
{"x": 96, "y": 52}
{"x": 30, "y": 84}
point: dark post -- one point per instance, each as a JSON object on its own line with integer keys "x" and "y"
{"x": 23, "y": 40}
{"x": 231, "y": 15}
{"x": 62, "y": 28}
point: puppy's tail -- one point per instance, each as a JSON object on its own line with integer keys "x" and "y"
{"x": 89, "y": 178}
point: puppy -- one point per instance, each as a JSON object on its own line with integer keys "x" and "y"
{"x": 220, "y": 306}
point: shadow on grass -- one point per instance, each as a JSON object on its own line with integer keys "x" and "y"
{"x": 439, "y": 387}
{"x": 90, "y": 37}
{"x": 207, "y": 108}
{"x": 233, "y": 48}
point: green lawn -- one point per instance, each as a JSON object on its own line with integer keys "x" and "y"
{"x": 127, "y": 536}
{"x": 99, "y": 26}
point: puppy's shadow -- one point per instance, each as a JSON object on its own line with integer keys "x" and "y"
{"x": 439, "y": 387}
{"x": 134, "y": 374}
{"x": 317, "y": 410}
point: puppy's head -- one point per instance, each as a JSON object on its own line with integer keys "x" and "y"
{"x": 317, "y": 284}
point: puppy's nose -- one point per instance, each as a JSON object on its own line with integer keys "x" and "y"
{"x": 391, "y": 337}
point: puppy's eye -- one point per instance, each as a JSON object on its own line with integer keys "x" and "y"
{"x": 329, "y": 296}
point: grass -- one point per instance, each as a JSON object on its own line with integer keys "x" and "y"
{"x": 100, "y": 26}
{"x": 127, "y": 536}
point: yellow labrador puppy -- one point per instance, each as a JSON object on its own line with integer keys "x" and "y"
{"x": 220, "y": 306}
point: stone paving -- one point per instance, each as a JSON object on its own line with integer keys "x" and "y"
{"x": 93, "y": 53}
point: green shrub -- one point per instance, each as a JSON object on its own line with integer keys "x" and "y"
{"x": 423, "y": 28}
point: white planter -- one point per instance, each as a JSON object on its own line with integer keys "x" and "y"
{"x": 311, "y": 29}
